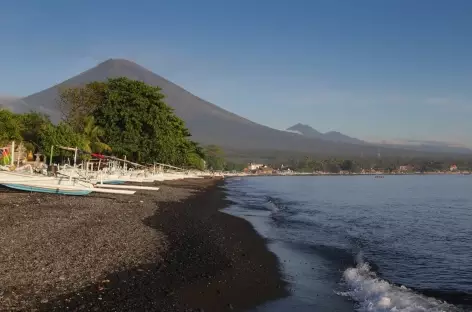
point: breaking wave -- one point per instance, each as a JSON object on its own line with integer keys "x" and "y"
{"x": 374, "y": 294}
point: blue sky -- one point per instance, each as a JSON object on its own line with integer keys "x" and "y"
{"x": 390, "y": 69}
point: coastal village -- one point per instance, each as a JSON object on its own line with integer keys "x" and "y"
{"x": 263, "y": 169}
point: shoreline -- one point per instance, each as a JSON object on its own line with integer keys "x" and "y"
{"x": 206, "y": 260}
{"x": 343, "y": 174}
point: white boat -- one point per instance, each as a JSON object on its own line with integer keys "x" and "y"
{"x": 53, "y": 185}
{"x": 103, "y": 177}
{"x": 116, "y": 171}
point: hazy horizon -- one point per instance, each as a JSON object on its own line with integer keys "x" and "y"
{"x": 374, "y": 71}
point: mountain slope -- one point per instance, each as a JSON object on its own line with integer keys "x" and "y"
{"x": 14, "y": 103}
{"x": 339, "y": 137}
{"x": 429, "y": 146}
{"x": 208, "y": 123}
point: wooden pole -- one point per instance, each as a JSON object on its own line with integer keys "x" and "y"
{"x": 12, "y": 153}
{"x": 169, "y": 166}
{"x": 75, "y": 157}
{"x": 19, "y": 153}
{"x": 50, "y": 157}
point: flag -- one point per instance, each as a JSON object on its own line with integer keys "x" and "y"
{"x": 5, "y": 159}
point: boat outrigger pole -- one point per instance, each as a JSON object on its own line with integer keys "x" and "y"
{"x": 123, "y": 160}
{"x": 72, "y": 149}
{"x": 76, "y": 150}
{"x": 169, "y": 166}
{"x": 13, "y": 153}
{"x": 50, "y": 157}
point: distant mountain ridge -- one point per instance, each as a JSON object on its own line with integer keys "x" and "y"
{"x": 333, "y": 136}
{"x": 305, "y": 130}
{"x": 429, "y": 146}
{"x": 209, "y": 123}
{"x": 423, "y": 146}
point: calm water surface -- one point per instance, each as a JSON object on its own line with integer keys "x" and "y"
{"x": 402, "y": 243}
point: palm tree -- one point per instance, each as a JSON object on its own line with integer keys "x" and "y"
{"x": 92, "y": 134}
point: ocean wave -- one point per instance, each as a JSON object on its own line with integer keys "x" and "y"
{"x": 374, "y": 294}
{"x": 279, "y": 204}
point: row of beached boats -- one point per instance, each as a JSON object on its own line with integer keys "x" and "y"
{"x": 90, "y": 176}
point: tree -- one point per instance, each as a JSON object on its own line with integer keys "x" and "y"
{"x": 31, "y": 126}
{"x": 92, "y": 135}
{"x": 331, "y": 167}
{"x": 60, "y": 135}
{"x": 194, "y": 161}
{"x": 133, "y": 119}
{"x": 195, "y": 156}
{"x": 10, "y": 127}
{"x": 139, "y": 124}
{"x": 231, "y": 166}
{"x": 347, "y": 165}
{"x": 77, "y": 104}
{"x": 214, "y": 157}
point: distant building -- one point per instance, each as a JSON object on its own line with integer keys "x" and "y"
{"x": 265, "y": 170}
{"x": 405, "y": 168}
{"x": 453, "y": 168}
{"x": 253, "y": 167}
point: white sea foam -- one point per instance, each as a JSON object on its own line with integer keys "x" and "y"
{"x": 376, "y": 295}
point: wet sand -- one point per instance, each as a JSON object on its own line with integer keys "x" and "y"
{"x": 171, "y": 250}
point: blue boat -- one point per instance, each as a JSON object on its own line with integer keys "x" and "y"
{"x": 48, "y": 189}
{"x": 113, "y": 182}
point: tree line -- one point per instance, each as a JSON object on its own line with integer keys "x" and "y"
{"x": 390, "y": 164}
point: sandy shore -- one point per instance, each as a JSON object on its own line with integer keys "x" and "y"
{"x": 170, "y": 250}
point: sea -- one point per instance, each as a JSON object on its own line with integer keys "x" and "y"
{"x": 361, "y": 243}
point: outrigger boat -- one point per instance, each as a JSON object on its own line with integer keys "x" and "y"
{"x": 113, "y": 173}
{"x": 117, "y": 171}
{"x": 82, "y": 179}
{"x": 53, "y": 185}
{"x": 66, "y": 184}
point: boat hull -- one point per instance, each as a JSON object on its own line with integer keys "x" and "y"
{"x": 113, "y": 182}
{"x": 47, "y": 189}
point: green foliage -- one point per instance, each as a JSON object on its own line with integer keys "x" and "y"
{"x": 194, "y": 161}
{"x": 230, "y": 166}
{"x": 32, "y": 125}
{"x": 60, "y": 135}
{"x": 431, "y": 166}
{"x": 92, "y": 136}
{"x": 214, "y": 158}
{"x": 331, "y": 167}
{"x": 347, "y": 165}
{"x": 38, "y": 134}
{"x": 10, "y": 127}
{"x": 78, "y": 104}
{"x": 137, "y": 123}
{"x": 134, "y": 121}
{"x": 195, "y": 156}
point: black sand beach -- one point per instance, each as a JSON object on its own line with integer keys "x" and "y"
{"x": 172, "y": 250}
